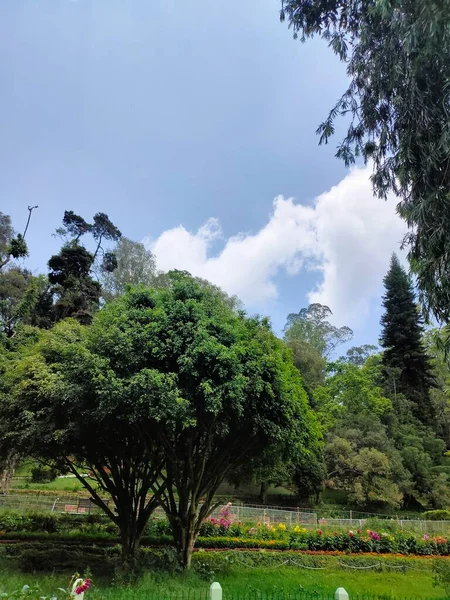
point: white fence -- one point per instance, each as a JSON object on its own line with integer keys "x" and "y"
{"x": 245, "y": 513}
{"x": 262, "y": 514}
{"x": 415, "y": 525}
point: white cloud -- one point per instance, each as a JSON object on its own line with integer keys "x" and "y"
{"x": 347, "y": 236}
{"x": 357, "y": 234}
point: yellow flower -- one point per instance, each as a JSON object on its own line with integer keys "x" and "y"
{"x": 282, "y": 526}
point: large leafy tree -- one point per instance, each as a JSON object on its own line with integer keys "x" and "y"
{"x": 311, "y": 364}
{"x": 397, "y": 56}
{"x": 59, "y": 391}
{"x": 361, "y": 459}
{"x": 405, "y": 358}
{"x": 167, "y": 391}
{"x": 311, "y": 325}
{"x": 73, "y": 291}
{"x": 135, "y": 265}
{"x": 358, "y": 355}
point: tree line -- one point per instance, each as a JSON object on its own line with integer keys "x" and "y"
{"x": 161, "y": 387}
{"x": 160, "y": 391}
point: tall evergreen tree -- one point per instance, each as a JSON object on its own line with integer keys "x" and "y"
{"x": 404, "y": 355}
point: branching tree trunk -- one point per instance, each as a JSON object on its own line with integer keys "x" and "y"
{"x": 128, "y": 482}
{"x": 195, "y": 467}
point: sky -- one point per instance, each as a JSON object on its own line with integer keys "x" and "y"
{"x": 192, "y": 125}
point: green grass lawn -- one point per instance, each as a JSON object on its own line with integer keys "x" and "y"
{"x": 258, "y": 583}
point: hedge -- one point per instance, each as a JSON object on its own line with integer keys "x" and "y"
{"x": 436, "y": 515}
{"x": 234, "y": 542}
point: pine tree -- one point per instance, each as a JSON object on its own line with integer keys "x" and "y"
{"x": 401, "y": 338}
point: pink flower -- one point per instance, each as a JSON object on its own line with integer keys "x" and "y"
{"x": 83, "y": 587}
{"x": 426, "y": 537}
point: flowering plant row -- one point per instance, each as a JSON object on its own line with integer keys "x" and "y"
{"x": 282, "y": 536}
{"x": 349, "y": 541}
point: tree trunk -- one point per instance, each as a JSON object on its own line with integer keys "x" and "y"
{"x": 187, "y": 550}
{"x": 130, "y": 537}
{"x": 8, "y": 467}
{"x": 263, "y": 492}
{"x": 185, "y": 533}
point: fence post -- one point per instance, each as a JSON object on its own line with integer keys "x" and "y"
{"x": 215, "y": 591}
{"x": 340, "y": 594}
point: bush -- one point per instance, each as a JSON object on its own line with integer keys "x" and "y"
{"x": 156, "y": 527}
{"x": 209, "y": 565}
{"x": 43, "y": 475}
{"x": 436, "y": 515}
{"x": 12, "y": 521}
{"x": 51, "y": 556}
{"x": 159, "y": 559}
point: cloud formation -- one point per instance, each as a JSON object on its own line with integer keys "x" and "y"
{"x": 347, "y": 236}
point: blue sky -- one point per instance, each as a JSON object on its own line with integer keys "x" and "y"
{"x": 166, "y": 115}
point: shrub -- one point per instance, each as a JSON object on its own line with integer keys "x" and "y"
{"x": 156, "y": 527}
{"x": 43, "y": 474}
{"x": 210, "y": 565}
{"x": 436, "y": 515}
{"x": 159, "y": 559}
{"x": 51, "y": 556}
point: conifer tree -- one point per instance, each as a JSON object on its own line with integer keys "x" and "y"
{"x": 404, "y": 352}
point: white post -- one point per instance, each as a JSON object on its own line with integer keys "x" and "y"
{"x": 215, "y": 591}
{"x": 340, "y": 594}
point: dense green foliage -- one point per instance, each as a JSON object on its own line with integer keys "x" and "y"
{"x": 397, "y": 56}
{"x": 162, "y": 391}
{"x": 310, "y": 326}
{"x": 167, "y": 392}
{"x": 384, "y": 417}
{"x": 404, "y": 359}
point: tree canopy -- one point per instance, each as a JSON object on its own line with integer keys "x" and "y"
{"x": 135, "y": 265}
{"x": 397, "y": 107}
{"x": 310, "y": 325}
{"x": 167, "y": 391}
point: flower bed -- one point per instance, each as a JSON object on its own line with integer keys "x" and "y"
{"x": 222, "y": 532}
